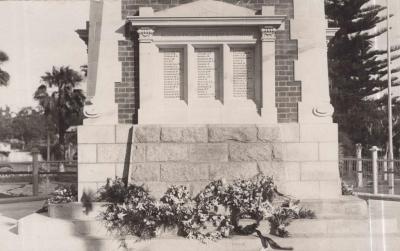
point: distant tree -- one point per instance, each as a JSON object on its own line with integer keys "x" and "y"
{"x": 4, "y": 76}
{"x": 64, "y": 106}
{"x": 358, "y": 71}
{"x": 28, "y": 125}
{"x": 6, "y": 132}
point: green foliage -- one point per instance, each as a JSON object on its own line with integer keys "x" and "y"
{"x": 63, "y": 194}
{"x": 27, "y": 125}
{"x": 4, "y": 76}
{"x": 210, "y": 215}
{"x": 358, "y": 71}
{"x": 64, "y": 106}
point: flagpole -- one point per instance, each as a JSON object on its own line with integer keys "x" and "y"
{"x": 390, "y": 121}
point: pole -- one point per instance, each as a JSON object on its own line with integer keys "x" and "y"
{"x": 390, "y": 121}
{"x": 35, "y": 172}
{"x": 374, "y": 150}
{"x": 359, "y": 165}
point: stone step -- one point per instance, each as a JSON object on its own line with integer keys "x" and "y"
{"x": 344, "y": 207}
{"x": 76, "y": 210}
{"x": 248, "y": 243}
{"x": 344, "y": 226}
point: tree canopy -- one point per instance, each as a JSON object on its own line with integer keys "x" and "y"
{"x": 61, "y": 100}
{"x": 4, "y": 76}
{"x": 358, "y": 71}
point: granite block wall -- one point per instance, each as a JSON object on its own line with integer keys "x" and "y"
{"x": 301, "y": 158}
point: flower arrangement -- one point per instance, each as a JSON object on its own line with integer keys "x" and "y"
{"x": 131, "y": 210}
{"x": 63, "y": 194}
{"x": 217, "y": 211}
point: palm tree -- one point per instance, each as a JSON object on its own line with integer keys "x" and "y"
{"x": 4, "y": 76}
{"x": 64, "y": 107}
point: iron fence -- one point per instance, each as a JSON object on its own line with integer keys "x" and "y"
{"x": 35, "y": 177}
{"x": 359, "y": 173}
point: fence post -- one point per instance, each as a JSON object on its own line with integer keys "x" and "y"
{"x": 359, "y": 165}
{"x": 35, "y": 171}
{"x": 374, "y": 150}
{"x": 385, "y": 167}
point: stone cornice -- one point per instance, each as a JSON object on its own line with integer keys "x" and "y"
{"x": 276, "y": 22}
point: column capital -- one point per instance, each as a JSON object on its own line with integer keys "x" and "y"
{"x": 145, "y": 34}
{"x": 268, "y": 34}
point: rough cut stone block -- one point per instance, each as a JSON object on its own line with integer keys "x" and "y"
{"x": 138, "y": 152}
{"x": 95, "y": 172}
{"x": 232, "y": 133}
{"x": 96, "y": 134}
{"x": 123, "y": 133}
{"x": 302, "y": 190}
{"x": 318, "y": 133}
{"x": 184, "y": 134}
{"x": 147, "y": 134}
{"x": 289, "y": 132}
{"x": 208, "y": 152}
{"x": 233, "y": 170}
{"x": 319, "y": 171}
{"x": 145, "y": 172}
{"x": 166, "y": 152}
{"x": 328, "y": 151}
{"x": 330, "y": 189}
{"x": 184, "y": 171}
{"x": 300, "y": 151}
{"x": 268, "y": 133}
{"x": 250, "y": 152}
{"x": 87, "y": 153}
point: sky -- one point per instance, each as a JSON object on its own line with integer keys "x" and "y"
{"x": 38, "y": 35}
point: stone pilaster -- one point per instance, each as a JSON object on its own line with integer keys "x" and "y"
{"x": 268, "y": 110}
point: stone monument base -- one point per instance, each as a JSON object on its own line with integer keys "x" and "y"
{"x": 302, "y": 158}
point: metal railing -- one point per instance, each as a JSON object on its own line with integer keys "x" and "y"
{"x": 370, "y": 175}
{"x": 38, "y": 173}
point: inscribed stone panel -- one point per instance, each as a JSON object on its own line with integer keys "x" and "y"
{"x": 173, "y": 72}
{"x": 243, "y": 72}
{"x": 207, "y": 72}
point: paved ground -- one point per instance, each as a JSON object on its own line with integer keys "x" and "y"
{"x": 19, "y": 210}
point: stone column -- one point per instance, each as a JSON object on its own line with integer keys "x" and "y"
{"x": 309, "y": 29}
{"x": 104, "y": 69}
{"x": 268, "y": 110}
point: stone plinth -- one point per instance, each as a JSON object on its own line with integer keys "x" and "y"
{"x": 303, "y": 158}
